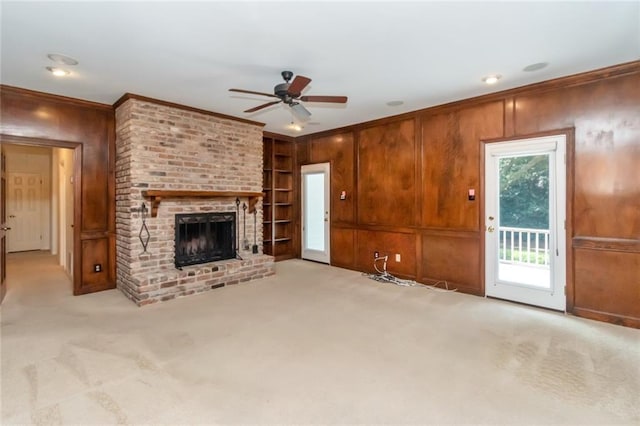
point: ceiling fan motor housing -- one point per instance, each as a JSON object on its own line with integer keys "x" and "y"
{"x": 281, "y": 90}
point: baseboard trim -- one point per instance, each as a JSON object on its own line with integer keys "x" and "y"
{"x": 606, "y": 317}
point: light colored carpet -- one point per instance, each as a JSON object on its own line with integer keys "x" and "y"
{"x": 313, "y": 344}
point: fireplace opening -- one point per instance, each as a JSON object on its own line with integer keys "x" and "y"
{"x": 204, "y": 237}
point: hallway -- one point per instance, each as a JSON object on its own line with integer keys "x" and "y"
{"x": 36, "y": 278}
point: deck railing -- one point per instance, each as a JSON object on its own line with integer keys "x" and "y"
{"x": 524, "y": 246}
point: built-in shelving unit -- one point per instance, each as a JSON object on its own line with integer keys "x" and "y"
{"x": 278, "y": 203}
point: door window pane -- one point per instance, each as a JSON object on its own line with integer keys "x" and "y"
{"x": 523, "y": 231}
{"x": 314, "y": 211}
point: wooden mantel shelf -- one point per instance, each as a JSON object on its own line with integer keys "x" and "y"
{"x": 157, "y": 195}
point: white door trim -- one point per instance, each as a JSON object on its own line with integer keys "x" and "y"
{"x": 555, "y": 146}
{"x": 323, "y": 256}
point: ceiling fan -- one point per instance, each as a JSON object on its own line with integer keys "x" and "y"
{"x": 289, "y": 93}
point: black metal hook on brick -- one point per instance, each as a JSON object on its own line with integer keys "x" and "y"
{"x": 144, "y": 239}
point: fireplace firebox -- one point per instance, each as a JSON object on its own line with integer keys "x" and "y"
{"x": 204, "y": 237}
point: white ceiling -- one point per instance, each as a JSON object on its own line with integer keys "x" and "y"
{"x": 423, "y": 53}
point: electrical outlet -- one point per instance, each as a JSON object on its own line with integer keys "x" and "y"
{"x": 376, "y": 254}
{"x": 398, "y": 257}
{"x": 97, "y": 267}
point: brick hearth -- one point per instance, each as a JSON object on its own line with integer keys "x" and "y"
{"x": 162, "y": 147}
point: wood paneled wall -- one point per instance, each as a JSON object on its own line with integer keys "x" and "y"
{"x": 387, "y": 174}
{"x": 407, "y": 179}
{"x": 35, "y": 118}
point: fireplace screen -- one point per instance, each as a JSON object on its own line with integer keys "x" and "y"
{"x": 204, "y": 237}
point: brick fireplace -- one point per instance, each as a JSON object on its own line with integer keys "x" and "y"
{"x": 166, "y": 147}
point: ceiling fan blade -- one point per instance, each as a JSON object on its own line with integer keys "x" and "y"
{"x": 300, "y": 111}
{"x": 259, "y": 107}
{"x": 252, "y": 92}
{"x": 297, "y": 85}
{"x": 333, "y": 99}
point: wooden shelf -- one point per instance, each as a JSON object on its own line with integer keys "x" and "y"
{"x": 155, "y": 196}
{"x": 279, "y": 205}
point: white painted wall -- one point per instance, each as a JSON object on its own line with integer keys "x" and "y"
{"x": 55, "y": 208}
{"x": 65, "y": 168}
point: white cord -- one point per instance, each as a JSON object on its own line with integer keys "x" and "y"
{"x": 385, "y": 277}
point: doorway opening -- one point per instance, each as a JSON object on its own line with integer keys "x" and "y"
{"x": 39, "y": 205}
{"x": 315, "y": 212}
{"x": 525, "y": 216}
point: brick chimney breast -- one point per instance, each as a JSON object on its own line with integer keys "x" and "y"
{"x": 159, "y": 146}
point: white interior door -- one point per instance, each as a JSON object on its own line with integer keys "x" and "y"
{"x": 315, "y": 212}
{"x": 24, "y": 208}
{"x": 525, "y": 208}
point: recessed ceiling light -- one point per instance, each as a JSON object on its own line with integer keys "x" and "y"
{"x": 62, "y": 59}
{"x": 492, "y": 79}
{"x": 535, "y": 67}
{"x": 394, "y": 103}
{"x": 58, "y": 72}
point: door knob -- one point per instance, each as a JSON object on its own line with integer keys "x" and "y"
{"x": 490, "y": 217}
{"x": 12, "y": 215}
{"x": 5, "y": 228}
{"x": 491, "y": 229}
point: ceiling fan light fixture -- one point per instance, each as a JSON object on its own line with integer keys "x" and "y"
{"x": 295, "y": 127}
{"x": 492, "y": 79}
{"x": 58, "y": 72}
{"x": 300, "y": 111}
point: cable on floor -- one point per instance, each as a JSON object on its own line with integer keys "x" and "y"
{"x": 385, "y": 277}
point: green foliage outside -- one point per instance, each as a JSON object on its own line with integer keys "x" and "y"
{"x": 524, "y": 192}
{"x": 524, "y": 256}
